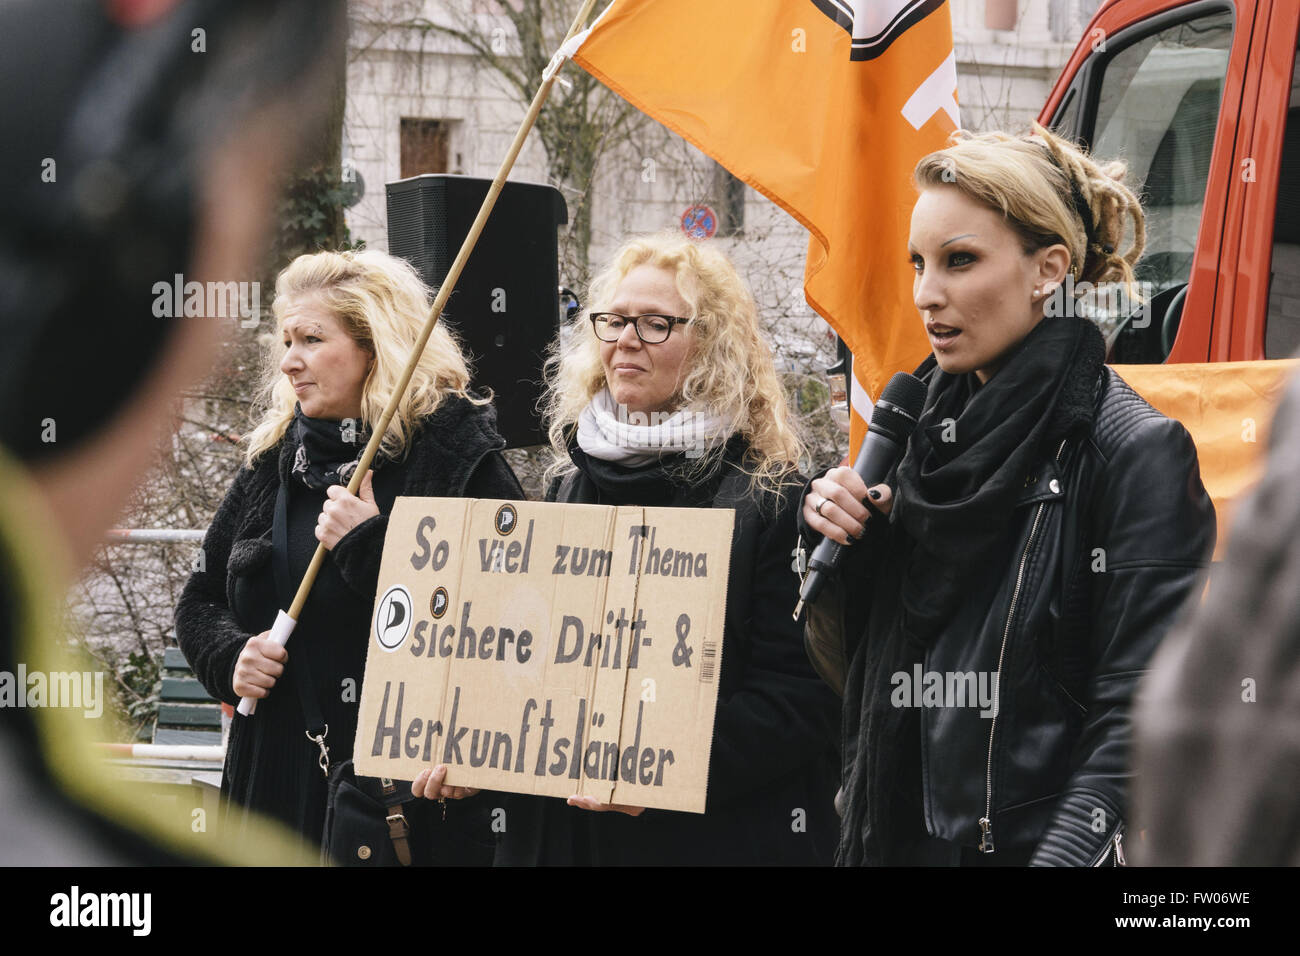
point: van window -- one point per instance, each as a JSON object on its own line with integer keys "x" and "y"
{"x": 1067, "y": 115}
{"x": 1282, "y": 331}
{"x": 1157, "y": 108}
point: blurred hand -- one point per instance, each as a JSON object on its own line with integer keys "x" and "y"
{"x": 839, "y": 494}
{"x": 260, "y": 664}
{"x": 343, "y": 511}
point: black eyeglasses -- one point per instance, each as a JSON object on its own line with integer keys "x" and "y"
{"x": 650, "y": 329}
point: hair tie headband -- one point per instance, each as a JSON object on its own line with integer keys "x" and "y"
{"x": 1080, "y": 206}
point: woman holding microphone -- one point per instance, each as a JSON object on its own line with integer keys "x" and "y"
{"x": 346, "y": 324}
{"x": 1039, "y": 534}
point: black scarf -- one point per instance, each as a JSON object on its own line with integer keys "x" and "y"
{"x": 954, "y": 493}
{"x": 327, "y": 452}
{"x": 673, "y": 481}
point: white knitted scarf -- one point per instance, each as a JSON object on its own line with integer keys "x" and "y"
{"x": 608, "y": 431}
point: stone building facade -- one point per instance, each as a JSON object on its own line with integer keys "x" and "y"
{"x": 420, "y": 101}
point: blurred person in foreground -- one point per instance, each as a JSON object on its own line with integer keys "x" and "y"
{"x": 130, "y": 157}
{"x": 1217, "y": 750}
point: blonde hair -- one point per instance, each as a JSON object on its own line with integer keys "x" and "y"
{"x": 382, "y": 304}
{"x": 730, "y": 373}
{"x": 1032, "y": 180}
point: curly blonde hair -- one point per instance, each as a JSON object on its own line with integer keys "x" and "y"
{"x": 382, "y": 303}
{"x": 1032, "y": 180}
{"x": 731, "y": 372}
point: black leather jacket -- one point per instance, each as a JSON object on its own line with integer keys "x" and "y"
{"x": 1108, "y": 541}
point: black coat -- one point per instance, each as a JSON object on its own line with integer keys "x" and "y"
{"x": 270, "y": 765}
{"x": 772, "y": 774}
{"x": 1108, "y": 540}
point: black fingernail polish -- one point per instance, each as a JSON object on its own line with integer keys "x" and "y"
{"x": 873, "y": 494}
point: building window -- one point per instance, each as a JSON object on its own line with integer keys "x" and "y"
{"x": 1000, "y": 14}
{"x": 424, "y": 146}
{"x": 1066, "y": 19}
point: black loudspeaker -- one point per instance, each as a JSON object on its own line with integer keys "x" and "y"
{"x": 505, "y": 308}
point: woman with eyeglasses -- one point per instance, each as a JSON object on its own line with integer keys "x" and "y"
{"x": 666, "y": 396}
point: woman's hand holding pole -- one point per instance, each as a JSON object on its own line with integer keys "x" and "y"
{"x": 264, "y": 652}
{"x": 259, "y": 666}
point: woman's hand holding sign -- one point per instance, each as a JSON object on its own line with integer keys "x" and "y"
{"x": 591, "y": 803}
{"x": 429, "y": 784}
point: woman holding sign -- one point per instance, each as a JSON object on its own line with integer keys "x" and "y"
{"x": 1045, "y": 525}
{"x": 346, "y": 323}
{"x": 665, "y": 395}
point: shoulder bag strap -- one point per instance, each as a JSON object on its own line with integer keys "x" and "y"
{"x": 317, "y": 729}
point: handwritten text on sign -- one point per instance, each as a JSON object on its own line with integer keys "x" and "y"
{"x": 548, "y": 649}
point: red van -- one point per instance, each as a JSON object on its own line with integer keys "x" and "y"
{"x": 1201, "y": 99}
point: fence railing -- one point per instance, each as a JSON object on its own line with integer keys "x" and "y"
{"x": 151, "y": 535}
{"x": 155, "y": 751}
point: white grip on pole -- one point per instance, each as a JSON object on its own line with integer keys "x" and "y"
{"x": 280, "y": 632}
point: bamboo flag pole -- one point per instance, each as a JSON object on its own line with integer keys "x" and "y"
{"x": 284, "y": 622}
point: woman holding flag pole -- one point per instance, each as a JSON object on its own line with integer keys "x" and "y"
{"x": 346, "y": 321}
{"x": 1040, "y": 533}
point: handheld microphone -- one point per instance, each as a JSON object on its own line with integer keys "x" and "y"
{"x": 892, "y": 423}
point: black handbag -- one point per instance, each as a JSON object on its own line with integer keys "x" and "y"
{"x": 368, "y": 821}
{"x": 373, "y": 821}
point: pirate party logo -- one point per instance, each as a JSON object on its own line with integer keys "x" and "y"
{"x": 438, "y": 603}
{"x": 875, "y": 24}
{"x": 393, "y": 618}
{"x": 506, "y": 519}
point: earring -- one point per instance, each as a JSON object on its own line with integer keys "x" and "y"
{"x": 1037, "y": 292}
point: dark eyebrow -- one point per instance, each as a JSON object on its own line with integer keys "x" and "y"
{"x": 964, "y": 235}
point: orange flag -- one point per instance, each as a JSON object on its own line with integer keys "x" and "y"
{"x": 823, "y": 106}
{"x": 1228, "y": 408}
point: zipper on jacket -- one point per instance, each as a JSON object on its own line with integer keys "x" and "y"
{"x": 986, "y": 821}
{"x": 1114, "y": 850}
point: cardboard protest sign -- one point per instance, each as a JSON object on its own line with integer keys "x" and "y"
{"x": 548, "y": 649}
